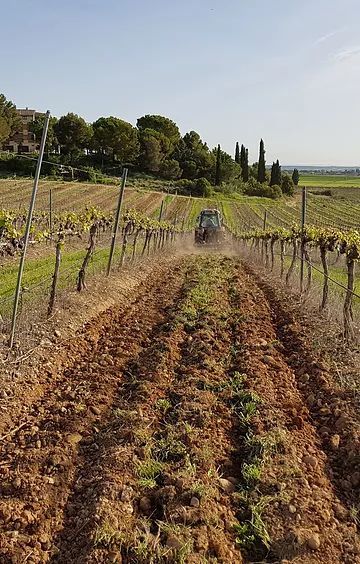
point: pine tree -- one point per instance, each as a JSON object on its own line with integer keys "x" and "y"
{"x": 296, "y": 176}
{"x": 245, "y": 169}
{"x": 261, "y": 167}
{"x": 237, "y": 153}
{"x": 218, "y": 167}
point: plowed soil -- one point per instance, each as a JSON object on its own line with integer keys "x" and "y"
{"x": 194, "y": 424}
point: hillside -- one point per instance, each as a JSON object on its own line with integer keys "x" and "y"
{"x": 241, "y": 212}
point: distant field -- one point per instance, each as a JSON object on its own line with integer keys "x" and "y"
{"x": 329, "y": 181}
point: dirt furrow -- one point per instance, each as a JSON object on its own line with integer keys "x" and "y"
{"x": 102, "y": 512}
{"x": 332, "y": 409}
{"x": 40, "y": 459}
{"x": 164, "y": 501}
{"x": 308, "y": 520}
{"x": 199, "y": 430}
{"x": 192, "y": 425}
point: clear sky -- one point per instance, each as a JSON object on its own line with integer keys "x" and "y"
{"x": 284, "y": 70}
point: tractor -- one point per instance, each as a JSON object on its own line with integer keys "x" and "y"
{"x": 209, "y": 230}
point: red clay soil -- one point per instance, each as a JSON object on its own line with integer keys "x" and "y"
{"x": 133, "y": 447}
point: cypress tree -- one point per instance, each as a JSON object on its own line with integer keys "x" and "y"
{"x": 296, "y": 176}
{"x": 242, "y": 158}
{"x": 243, "y": 163}
{"x": 278, "y": 173}
{"x": 275, "y": 174}
{"x": 245, "y": 170}
{"x": 261, "y": 168}
{"x": 237, "y": 153}
{"x": 218, "y": 167}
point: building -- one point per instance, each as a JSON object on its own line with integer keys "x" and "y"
{"x": 24, "y": 141}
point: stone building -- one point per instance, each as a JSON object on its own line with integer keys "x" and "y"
{"x": 23, "y": 141}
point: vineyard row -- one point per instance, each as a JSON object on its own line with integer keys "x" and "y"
{"x": 302, "y": 242}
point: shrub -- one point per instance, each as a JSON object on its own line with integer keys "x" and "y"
{"x": 255, "y": 188}
{"x": 274, "y": 191}
{"x": 203, "y": 187}
{"x": 287, "y": 185}
{"x": 185, "y": 186}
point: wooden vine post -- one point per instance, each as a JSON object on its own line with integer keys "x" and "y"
{"x": 151, "y": 232}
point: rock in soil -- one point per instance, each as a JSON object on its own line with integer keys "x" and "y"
{"x": 145, "y": 504}
{"x": 314, "y": 542}
{"x": 74, "y": 438}
{"x": 226, "y": 485}
{"x": 194, "y": 502}
{"x": 335, "y": 442}
{"x": 340, "y": 512}
{"x": 310, "y": 460}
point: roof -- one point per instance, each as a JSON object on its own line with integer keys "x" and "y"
{"x": 26, "y": 112}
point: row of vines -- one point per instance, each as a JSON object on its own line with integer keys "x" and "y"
{"x": 93, "y": 229}
{"x": 302, "y": 242}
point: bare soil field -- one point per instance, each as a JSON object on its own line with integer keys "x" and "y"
{"x": 192, "y": 424}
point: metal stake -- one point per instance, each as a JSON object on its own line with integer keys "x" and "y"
{"x": 27, "y": 230}
{"x": 117, "y": 219}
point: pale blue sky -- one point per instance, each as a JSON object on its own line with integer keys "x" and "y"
{"x": 284, "y": 70}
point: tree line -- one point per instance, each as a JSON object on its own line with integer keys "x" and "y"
{"x": 154, "y": 146}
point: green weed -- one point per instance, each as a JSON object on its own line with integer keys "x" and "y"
{"x": 106, "y": 534}
{"x": 268, "y": 444}
{"x": 163, "y": 405}
{"x": 251, "y": 473}
{"x": 169, "y": 447}
{"x": 148, "y": 471}
{"x": 354, "y": 514}
{"x": 254, "y": 532}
